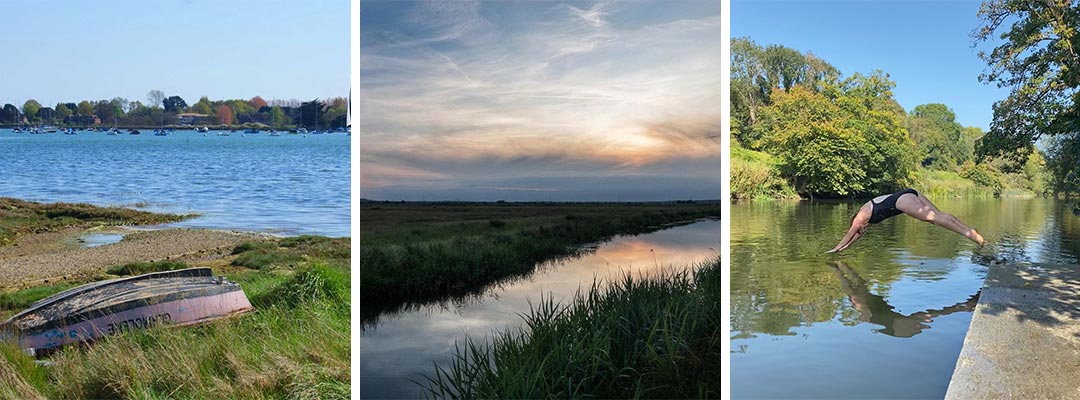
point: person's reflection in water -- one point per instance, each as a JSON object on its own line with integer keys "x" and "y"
{"x": 873, "y": 308}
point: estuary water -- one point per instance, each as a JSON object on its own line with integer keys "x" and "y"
{"x": 403, "y": 348}
{"x": 884, "y": 319}
{"x": 288, "y": 184}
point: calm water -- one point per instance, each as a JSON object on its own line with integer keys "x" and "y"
{"x": 887, "y": 318}
{"x": 404, "y": 348}
{"x": 287, "y": 184}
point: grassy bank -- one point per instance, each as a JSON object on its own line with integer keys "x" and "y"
{"x": 756, "y": 176}
{"x": 417, "y": 252}
{"x": 18, "y": 217}
{"x": 295, "y": 344}
{"x": 637, "y": 338}
{"x": 937, "y": 184}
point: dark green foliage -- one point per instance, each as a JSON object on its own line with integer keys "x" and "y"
{"x": 847, "y": 137}
{"x": 1035, "y": 57}
{"x": 984, "y": 175}
{"x": 140, "y": 268}
{"x": 637, "y": 338}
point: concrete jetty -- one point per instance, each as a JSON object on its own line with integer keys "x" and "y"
{"x": 1024, "y": 339}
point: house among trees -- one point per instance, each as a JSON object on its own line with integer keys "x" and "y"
{"x": 192, "y": 119}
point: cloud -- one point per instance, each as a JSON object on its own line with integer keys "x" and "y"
{"x": 459, "y": 91}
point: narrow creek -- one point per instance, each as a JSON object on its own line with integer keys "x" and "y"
{"x": 403, "y": 348}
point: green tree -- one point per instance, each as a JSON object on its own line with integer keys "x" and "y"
{"x": 174, "y": 104}
{"x": 938, "y": 138}
{"x": 847, "y": 140}
{"x": 30, "y": 109}
{"x": 756, "y": 72}
{"x": 10, "y": 114}
{"x": 278, "y": 118}
{"x": 85, "y": 109}
{"x": 62, "y": 112}
{"x": 1036, "y": 57}
{"x": 1063, "y": 163}
{"x": 203, "y": 106}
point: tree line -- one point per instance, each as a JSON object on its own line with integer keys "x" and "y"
{"x": 832, "y": 135}
{"x": 162, "y": 110}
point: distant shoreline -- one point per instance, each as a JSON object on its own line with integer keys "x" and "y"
{"x": 173, "y": 127}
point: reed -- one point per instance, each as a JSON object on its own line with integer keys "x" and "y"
{"x": 658, "y": 337}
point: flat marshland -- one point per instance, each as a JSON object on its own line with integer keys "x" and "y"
{"x": 294, "y": 344}
{"x": 422, "y": 252}
{"x": 627, "y": 336}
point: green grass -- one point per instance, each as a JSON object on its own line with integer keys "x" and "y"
{"x": 140, "y": 268}
{"x": 939, "y": 184}
{"x": 637, "y": 338}
{"x": 18, "y": 217}
{"x": 20, "y": 299}
{"x": 456, "y": 250}
{"x": 756, "y": 176}
{"x": 294, "y": 345}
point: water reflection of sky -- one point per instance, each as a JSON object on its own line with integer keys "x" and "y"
{"x": 405, "y": 346}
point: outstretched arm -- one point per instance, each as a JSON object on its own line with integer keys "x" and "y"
{"x": 858, "y": 227}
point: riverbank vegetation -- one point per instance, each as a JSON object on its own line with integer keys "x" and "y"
{"x": 18, "y": 217}
{"x": 412, "y": 253}
{"x": 801, "y": 128}
{"x": 1034, "y": 56}
{"x": 294, "y": 344}
{"x": 657, "y": 337}
{"x": 160, "y": 110}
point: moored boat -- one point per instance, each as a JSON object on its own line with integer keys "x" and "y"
{"x": 85, "y": 313}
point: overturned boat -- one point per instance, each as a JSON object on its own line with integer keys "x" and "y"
{"x": 178, "y": 298}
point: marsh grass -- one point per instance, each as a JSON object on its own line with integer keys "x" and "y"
{"x": 20, "y": 299}
{"x": 140, "y": 268}
{"x": 294, "y": 345}
{"x": 656, "y": 337}
{"x": 418, "y": 263}
{"x": 19, "y": 217}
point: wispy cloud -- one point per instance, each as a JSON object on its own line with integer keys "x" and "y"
{"x": 457, "y": 92}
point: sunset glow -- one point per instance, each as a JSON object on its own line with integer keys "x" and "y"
{"x": 526, "y": 101}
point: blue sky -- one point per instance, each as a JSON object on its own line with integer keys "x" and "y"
{"x": 56, "y": 51}
{"x": 582, "y": 100}
{"x": 925, "y": 46}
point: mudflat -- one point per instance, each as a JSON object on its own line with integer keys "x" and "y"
{"x": 43, "y": 257}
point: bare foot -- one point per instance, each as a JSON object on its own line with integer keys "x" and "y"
{"x": 978, "y": 238}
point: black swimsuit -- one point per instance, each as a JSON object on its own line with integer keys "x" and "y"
{"x": 887, "y": 208}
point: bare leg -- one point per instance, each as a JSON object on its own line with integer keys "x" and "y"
{"x": 922, "y": 209}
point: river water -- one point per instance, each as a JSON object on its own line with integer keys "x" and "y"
{"x": 288, "y": 184}
{"x": 885, "y": 319}
{"x": 404, "y": 347}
